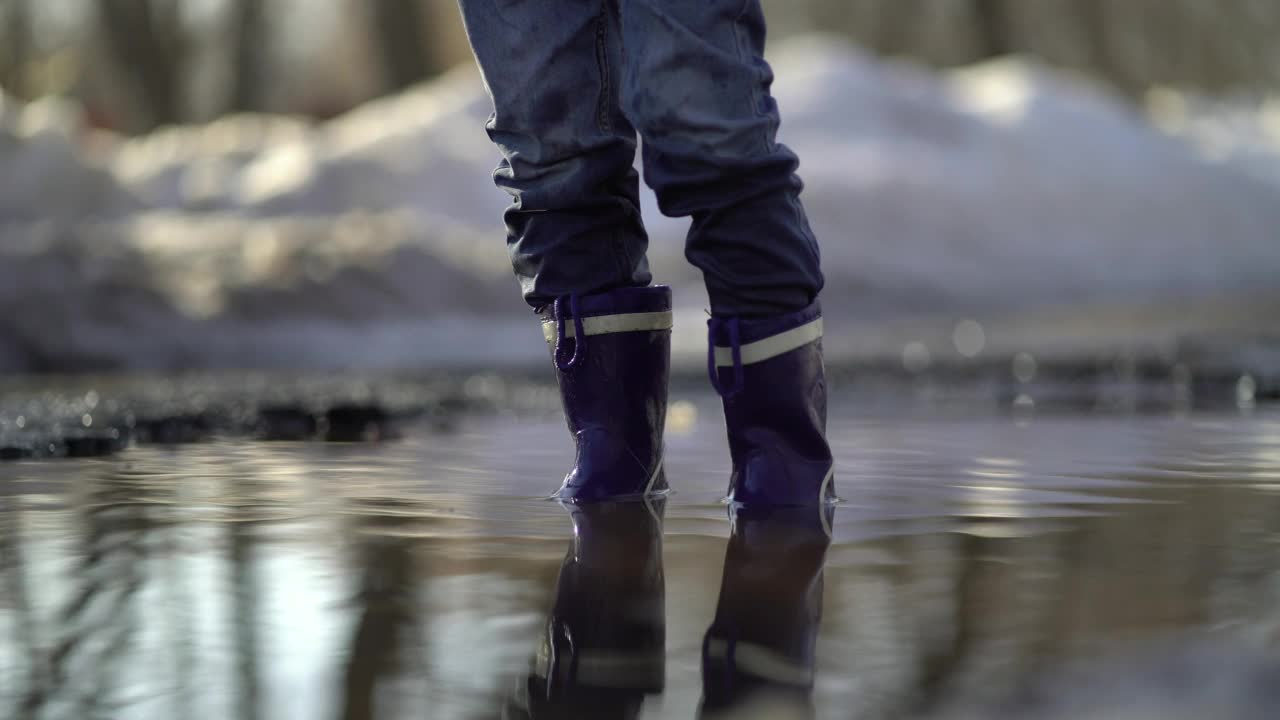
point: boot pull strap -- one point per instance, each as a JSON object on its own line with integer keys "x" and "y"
{"x": 579, "y": 335}
{"x": 735, "y": 348}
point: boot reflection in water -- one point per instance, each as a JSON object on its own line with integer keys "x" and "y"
{"x": 758, "y": 655}
{"x": 604, "y": 646}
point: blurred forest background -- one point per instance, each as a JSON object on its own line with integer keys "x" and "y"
{"x": 325, "y": 177}
{"x": 139, "y": 64}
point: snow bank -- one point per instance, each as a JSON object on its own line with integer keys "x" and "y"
{"x": 1005, "y": 184}
{"x": 171, "y": 291}
{"x": 1242, "y": 132}
{"x": 1019, "y": 197}
{"x": 43, "y": 172}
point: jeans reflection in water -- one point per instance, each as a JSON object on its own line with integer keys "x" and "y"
{"x": 758, "y": 654}
{"x": 605, "y": 639}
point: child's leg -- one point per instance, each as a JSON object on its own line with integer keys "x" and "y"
{"x": 697, "y": 87}
{"x": 574, "y": 231}
{"x": 553, "y": 70}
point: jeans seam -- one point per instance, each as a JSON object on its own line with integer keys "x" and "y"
{"x": 753, "y": 94}
{"x": 604, "y": 110}
{"x": 771, "y": 129}
{"x": 602, "y": 61}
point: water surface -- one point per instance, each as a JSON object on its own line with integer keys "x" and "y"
{"x": 1078, "y": 566}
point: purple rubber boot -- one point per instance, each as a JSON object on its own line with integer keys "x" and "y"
{"x": 604, "y": 649}
{"x": 760, "y": 650}
{"x": 769, "y": 373}
{"x": 612, "y": 352}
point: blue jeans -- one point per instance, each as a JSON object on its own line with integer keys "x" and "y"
{"x": 572, "y": 82}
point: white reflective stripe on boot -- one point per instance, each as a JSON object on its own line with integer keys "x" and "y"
{"x": 761, "y": 662}
{"x": 619, "y": 671}
{"x": 771, "y": 347}
{"x": 607, "y": 324}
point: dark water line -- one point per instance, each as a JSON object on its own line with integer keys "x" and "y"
{"x": 245, "y": 592}
{"x": 179, "y": 601}
{"x": 390, "y": 637}
{"x": 29, "y": 696}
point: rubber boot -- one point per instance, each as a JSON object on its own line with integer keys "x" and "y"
{"x": 605, "y": 641}
{"x": 758, "y": 654}
{"x": 770, "y": 375}
{"x": 612, "y": 353}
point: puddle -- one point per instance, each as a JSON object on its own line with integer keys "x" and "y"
{"x": 1051, "y": 567}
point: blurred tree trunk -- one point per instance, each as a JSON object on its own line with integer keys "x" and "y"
{"x": 250, "y": 61}
{"x": 146, "y": 39}
{"x": 897, "y": 31}
{"x": 994, "y": 35}
{"x": 15, "y": 40}
{"x": 398, "y": 30}
{"x": 1131, "y": 44}
{"x": 1108, "y": 59}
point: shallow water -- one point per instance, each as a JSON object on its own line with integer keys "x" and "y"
{"x": 1080, "y": 566}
